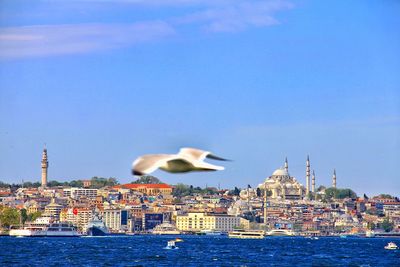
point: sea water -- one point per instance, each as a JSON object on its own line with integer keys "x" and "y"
{"x": 148, "y": 250}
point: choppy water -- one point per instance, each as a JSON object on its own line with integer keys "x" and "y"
{"x": 196, "y": 251}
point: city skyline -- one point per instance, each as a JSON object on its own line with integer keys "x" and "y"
{"x": 103, "y": 82}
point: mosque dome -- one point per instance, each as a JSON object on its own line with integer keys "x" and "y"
{"x": 280, "y": 172}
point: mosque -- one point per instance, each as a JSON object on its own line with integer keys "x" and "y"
{"x": 283, "y": 186}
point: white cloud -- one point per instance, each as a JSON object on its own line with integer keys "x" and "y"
{"x": 237, "y": 16}
{"x": 42, "y": 40}
{"x": 209, "y": 15}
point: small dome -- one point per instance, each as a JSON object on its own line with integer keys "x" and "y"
{"x": 280, "y": 172}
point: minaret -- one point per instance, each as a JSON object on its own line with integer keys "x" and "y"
{"x": 313, "y": 182}
{"x": 286, "y": 165}
{"x": 334, "y": 178}
{"x": 45, "y": 165}
{"x": 265, "y": 204}
{"x": 307, "y": 176}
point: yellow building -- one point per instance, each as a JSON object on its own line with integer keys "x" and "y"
{"x": 148, "y": 189}
{"x": 196, "y": 221}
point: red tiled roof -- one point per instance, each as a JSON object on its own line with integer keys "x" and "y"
{"x": 136, "y": 186}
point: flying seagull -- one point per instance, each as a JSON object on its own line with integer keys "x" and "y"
{"x": 187, "y": 160}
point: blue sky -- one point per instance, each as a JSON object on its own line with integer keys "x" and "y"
{"x": 102, "y": 82}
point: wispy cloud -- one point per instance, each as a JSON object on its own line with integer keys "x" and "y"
{"x": 43, "y": 40}
{"x": 236, "y": 16}
{"x": 208, "y": 15}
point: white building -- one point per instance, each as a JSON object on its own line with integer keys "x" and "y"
{"x": 196, "y": 221}
{"x": 75, "y": 192}
{"x": 117, "y": 220}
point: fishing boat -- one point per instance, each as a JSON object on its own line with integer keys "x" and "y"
{"x": 391, "y": 246}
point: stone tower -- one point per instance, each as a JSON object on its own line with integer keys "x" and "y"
{"x": 313, "y": 182}
{"x": 307, "y": 176}
{"x": 45, "y": 165}
{"x": 334, "y": 179}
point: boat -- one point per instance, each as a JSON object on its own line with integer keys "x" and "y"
{"x": 247, "y": 234}
{"x": 61, "y": 230}
{"x": 33, "y": 229}
{"x": 96, "y": 227}
{"x": 280, "y": 232}
{"x": 165, "y": 229}
{"x": 178, "y": 240}
{"x": 171, "y": 245}
{"x": 391, "y": 246}
{"x": 209, "y": 232}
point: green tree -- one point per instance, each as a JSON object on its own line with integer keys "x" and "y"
{"x": 371, "y": 226}
{"x": 336, "y": 193}
{"x": 321, "y": 188}
{"x": 386, "y": 225}
{"x": 24, "y": 215}
{"x": 147, "y": 179}
{"x": 76, "y": 183}
{"x": 33, "y": 216}
{"x": 9, "y": 216}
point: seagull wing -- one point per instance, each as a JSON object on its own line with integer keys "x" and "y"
{"x": 149, "y": 163}
{"x": 198, "y": 154}
{"x": 193, "y": 153}
{"x": 204, "y": 166}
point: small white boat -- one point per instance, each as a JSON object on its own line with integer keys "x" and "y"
{"x": 391, "y": 245}
{"x": 171, "y": 245}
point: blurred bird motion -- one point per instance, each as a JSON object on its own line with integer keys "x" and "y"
{"x": 187, "y": 160}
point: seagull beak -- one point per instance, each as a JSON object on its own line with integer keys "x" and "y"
{"x": 211, "y": 156}
{"x": 134, "y": 172}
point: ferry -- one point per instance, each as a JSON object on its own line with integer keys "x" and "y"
{"x": 249, "y": 234}
{"x": 165, "y": 229}
{"x": 61, "y": 230}
{"x": 391, "y": 246}
{"x": 34, "y": 229}
{"x": 209, "y": 232}
{"x": 280, "y": 232}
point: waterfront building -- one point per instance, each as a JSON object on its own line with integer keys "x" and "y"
{"x": 151, "y": 220}
{"x": 282, "y": 185}
{"x": 45, "y": 165}
{"x": 196, "y": 221}
{"x": 78, "y": 216}
{"x": 116, "y": 220}
{"x": 148, "y": 189}
{"x": 77, "y": 193}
